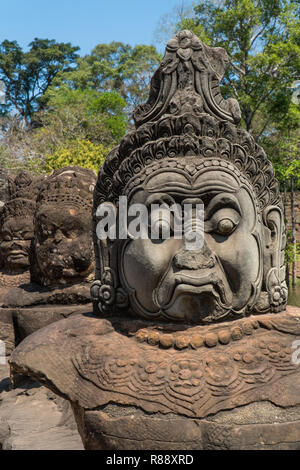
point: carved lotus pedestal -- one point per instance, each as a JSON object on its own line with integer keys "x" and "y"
{"x": 133, "y": 385}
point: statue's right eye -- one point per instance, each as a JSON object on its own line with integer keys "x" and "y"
{"x": 6, "y": 236}
{"x": 161, "y": 224}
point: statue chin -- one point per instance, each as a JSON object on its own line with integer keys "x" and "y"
{"x": 58, "y": 274}
{"x": 18, "y": 261}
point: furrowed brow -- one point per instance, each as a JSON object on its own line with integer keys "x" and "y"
{"x": 219, "y": 202}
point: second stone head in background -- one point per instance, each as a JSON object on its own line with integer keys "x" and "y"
{"x": 62, "y": 251}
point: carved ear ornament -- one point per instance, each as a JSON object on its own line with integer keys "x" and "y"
{"x": 106, "y": 292}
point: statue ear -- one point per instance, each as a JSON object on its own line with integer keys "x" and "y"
{"x": 273, "y": 257}
{"x": 106, "y": 294}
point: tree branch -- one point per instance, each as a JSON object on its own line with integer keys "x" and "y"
{"x": 241, "y": 72}
{"x": 253, "y": 39}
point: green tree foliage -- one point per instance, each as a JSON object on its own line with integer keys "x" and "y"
{"x": 27, "y": 75}
{"x": 116, "y": 67}
{"x": 85, "y": 114}
{"x": 77, "y": 152}
{"x": 282, "y": 145}
{"x": 70, "y": 118}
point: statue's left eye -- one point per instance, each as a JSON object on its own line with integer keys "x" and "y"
{"x": 161, "y": 225}
{"x": 6, "y": 236}
{"x": 223, "y": 222}
{"x": 225, "y": 226}
{"x": 27, "y": 235}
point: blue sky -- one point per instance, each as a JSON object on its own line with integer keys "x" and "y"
{"x": 84, "y": 23}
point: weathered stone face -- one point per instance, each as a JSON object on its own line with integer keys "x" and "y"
{"x": 205, "y": 284}
{"x": 186, "y": 146}
{"x": 63, "y": 243}
{"x": 16, "y": 221}
{"x": 62, "y": 249}
{"x": 17, "y": 234}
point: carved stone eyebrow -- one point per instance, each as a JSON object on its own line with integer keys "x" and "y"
{"x": 160, "y": 198}
{"x": 219, "y": 202}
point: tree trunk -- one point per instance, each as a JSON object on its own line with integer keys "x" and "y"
{"x": 287, "y": 270}
{"x": 284, "y": 202}
{"x": 293, "y": 233}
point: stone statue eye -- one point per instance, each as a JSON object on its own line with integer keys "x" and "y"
{"x": 161, "y": 225}
{"x": 6, "y": 236}
{"x": 46, "y": 232}
{"x": 223, "y": 222}
{"x": 225, "y": 226}
{"x": 71, "y": 233}
{"x": 27, "y": 235}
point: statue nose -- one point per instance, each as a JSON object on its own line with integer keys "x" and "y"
{"x": 58, "y": 236}
{"x": 16, "y": 245}
{"x": 195, "y": 259}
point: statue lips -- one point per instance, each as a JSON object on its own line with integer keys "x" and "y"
{"x": 17, "y": 252}
{"x": 208, "y": 282}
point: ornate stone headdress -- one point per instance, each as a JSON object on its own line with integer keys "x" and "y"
{"x": 25, "y": 185}
{"x": 68, "y": 186}
{"x": 22, "y": 189}
{"x": 18, "y": 207}
{"x": 185, "y": 116}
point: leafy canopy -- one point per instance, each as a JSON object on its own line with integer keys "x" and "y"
{"x": 28, "y": 75}
{"x": 117, "y": 67}
{"x": 77, "y": 152}
{"x": 85, "y": 113}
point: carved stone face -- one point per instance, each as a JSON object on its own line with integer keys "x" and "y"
{"x": 17, "y": 234}
{"x": 63, "y": 246}
{"x": 186, "y": 147}
{"x": 197, "y": 285}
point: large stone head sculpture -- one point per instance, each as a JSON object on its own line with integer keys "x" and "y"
{"x": 187, "y": 148}
{"x": 63, "y": 250}
{"x": 16, "y": 234}
{"x": 16, "y": 224}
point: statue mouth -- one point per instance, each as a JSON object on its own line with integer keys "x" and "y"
{"x": 192, "y": 294}
{"x": 206, "y": 281}
{"x": 15, "y": 255}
